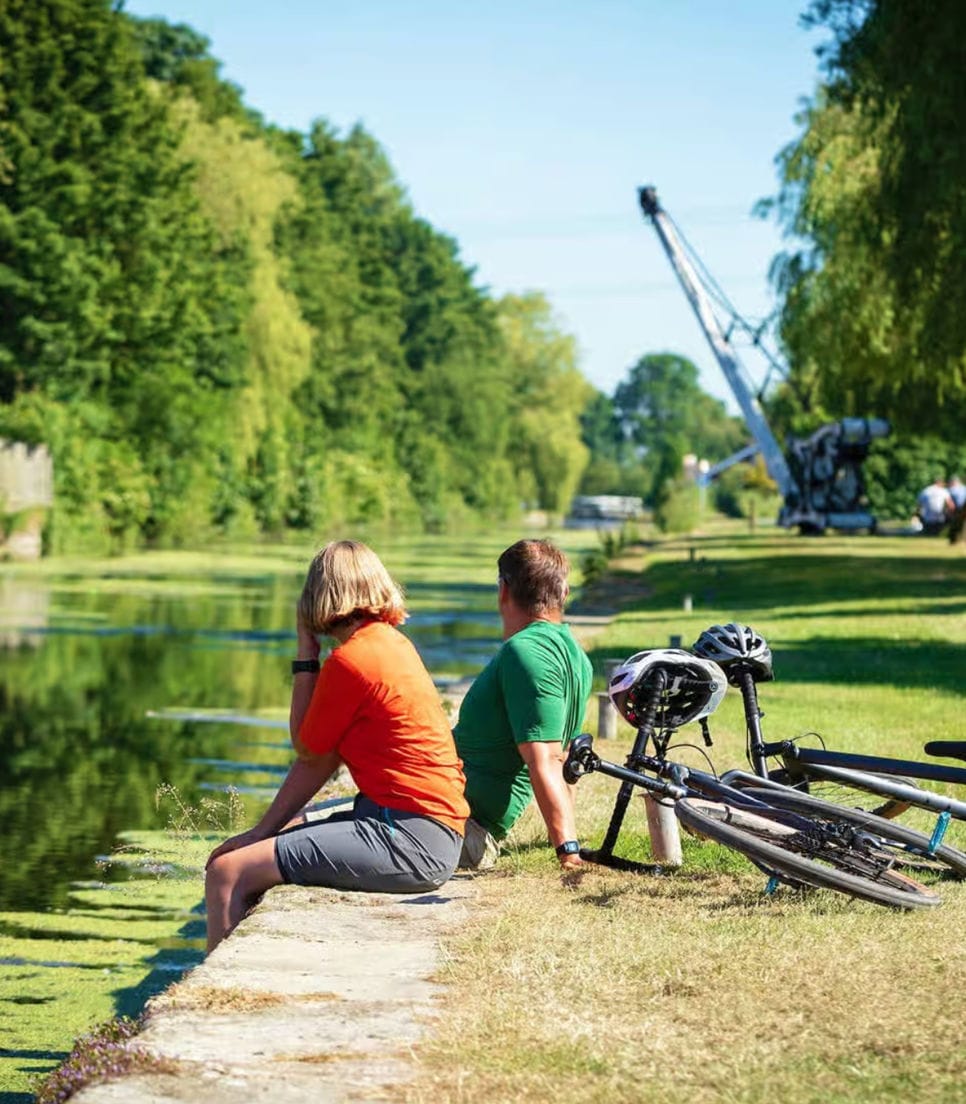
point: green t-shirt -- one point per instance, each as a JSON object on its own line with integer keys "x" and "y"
{"x": 534, "y": 689}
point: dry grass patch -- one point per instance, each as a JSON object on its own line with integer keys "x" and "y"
{"x": 217, "y": 999}
{"x": 696, "y": 988}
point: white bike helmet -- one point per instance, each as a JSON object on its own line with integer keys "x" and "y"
{"x": 735, "y": 648}
{"x": 694, "y": 687}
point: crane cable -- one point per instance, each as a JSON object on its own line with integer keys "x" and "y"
{"x": 720, "y": 297}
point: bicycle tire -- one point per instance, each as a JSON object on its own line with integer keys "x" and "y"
{"x": 913, "y": 850}
{"x": 783, "y": 852}
{"x": 837, "y": 792}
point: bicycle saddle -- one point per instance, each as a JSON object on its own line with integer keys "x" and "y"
{"x": 952, "y": 749}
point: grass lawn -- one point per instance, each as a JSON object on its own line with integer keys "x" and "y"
{"x": 698, "y": 986}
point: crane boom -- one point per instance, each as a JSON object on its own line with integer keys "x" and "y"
{"x": 751, "y": 411}
{"x": 819, "y": 477}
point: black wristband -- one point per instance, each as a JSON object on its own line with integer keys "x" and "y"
{"x": 304, "y": 665}
{"x": 568, "y": 847}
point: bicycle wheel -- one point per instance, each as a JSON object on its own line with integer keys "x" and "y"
{"x": 906, "y": 847}
{"x": 808, "y": 780}
{"x": 800, "y": 857}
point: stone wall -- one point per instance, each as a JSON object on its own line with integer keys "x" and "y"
{"x": 26, "y": 493}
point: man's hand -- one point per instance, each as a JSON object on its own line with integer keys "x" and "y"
{"x": 572, "y": 871}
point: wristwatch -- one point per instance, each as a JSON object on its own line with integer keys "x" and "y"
{"x": 568, "y": 847}
{"x": 307, "y": 665}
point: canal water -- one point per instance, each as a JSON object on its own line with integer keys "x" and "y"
{"x": 145, "y": 699}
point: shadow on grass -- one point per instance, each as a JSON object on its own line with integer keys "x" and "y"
{"x": 167, "y": 966}
{"x": 756, "y": 583}
{"x": 857, "y": 660}
{"x": 23, "y": 1097}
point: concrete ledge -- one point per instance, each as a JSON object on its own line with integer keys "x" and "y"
{"x": 317, "y": 996}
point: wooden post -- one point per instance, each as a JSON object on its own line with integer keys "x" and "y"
{"x": 606, "y": 717}
{"x": 662, "y": 827}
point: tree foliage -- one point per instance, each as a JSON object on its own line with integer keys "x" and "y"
{"x": 874, "y": 192}
{"x": 658, "y": 414}
{"x": 218, "y": 325}
{"x": 549, "y": 396}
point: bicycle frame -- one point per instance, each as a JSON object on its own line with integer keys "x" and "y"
{"x": 672, "y": 780}
{"x": 858, "y": 771}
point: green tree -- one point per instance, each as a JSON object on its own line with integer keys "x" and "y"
{"x": 455, "y": 380}
{"x": 112, "y": 291}
{"x": 875, "y": 188}
{"x": 665, "y": 414}
{"x": 177, "y": 54}
{"x": 549, "y": 395}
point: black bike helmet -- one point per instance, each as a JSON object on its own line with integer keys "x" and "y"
{"x": 693, "y": 687}
{"x": 736, "y": 648}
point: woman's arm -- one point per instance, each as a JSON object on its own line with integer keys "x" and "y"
{"x": 303, "y": 684}
{"x": 305, "y": 778}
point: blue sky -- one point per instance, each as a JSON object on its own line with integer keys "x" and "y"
{"x": 524, "y": 128}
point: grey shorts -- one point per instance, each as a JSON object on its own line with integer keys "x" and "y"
{"x": 369, "y": 848}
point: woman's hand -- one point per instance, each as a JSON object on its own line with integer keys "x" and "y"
{"x": 233, "y": 843}
{"x": 308, "y": 644}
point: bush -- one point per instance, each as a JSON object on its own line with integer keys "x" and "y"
{"x": 898, "y": 468}
{"x": 679, "y": 510}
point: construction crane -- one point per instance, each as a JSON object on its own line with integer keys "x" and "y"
{"x": 819, "y": 477}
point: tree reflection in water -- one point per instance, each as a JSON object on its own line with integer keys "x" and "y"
{"x": 79, "y": 759}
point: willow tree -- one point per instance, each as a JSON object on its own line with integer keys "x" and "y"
{"x": 550, "y": 394}
{"x": 874, "y": 196}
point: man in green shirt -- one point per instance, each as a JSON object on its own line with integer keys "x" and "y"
{"x": 523, "y": 709}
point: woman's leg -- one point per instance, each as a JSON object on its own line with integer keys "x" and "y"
{"x": 234, "y": 881}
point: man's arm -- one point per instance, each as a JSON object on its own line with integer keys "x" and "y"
{"x": 555, "y": 799}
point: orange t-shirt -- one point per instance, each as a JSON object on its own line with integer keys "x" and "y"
{"x": 376, "y": 706}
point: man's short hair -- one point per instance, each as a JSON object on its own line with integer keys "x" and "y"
{"x": 346, "y": 580}
{"x": 535, "y": 572}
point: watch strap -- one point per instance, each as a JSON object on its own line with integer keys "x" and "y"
{"x": 300, "y": 666}
{"x": 568, "y": 847}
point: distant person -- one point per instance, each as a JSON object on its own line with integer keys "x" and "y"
{"x": 373, "y": 707}
{"x": 523, "y": 710}
{"x": 957, "y": 492}
{"x": 934, "y": 506}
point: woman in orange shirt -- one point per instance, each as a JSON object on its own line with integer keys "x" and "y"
{"x": 372, "y": 706}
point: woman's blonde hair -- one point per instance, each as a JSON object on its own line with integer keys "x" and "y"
{"x": 345, "y": 580}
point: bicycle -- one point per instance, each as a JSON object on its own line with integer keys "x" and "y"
{"x": 672, "y": 688}
{"x": 802, "y": 781}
